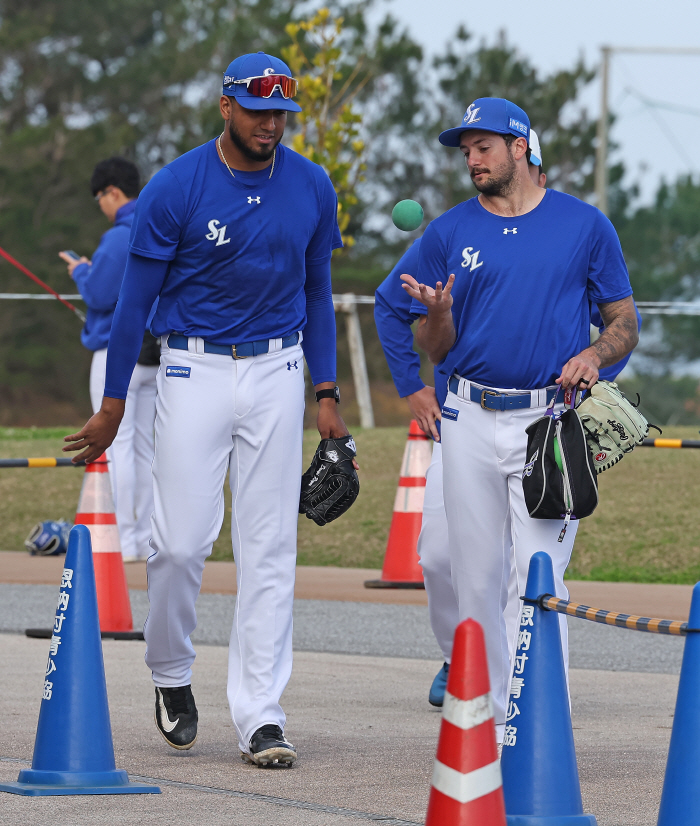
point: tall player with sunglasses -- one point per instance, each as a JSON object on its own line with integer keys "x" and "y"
{"x": 235, "y": 239}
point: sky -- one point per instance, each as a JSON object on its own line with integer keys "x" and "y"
{"x": 646, "y": 92}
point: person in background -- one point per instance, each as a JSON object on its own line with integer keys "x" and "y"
{"x": 115, "y": 186}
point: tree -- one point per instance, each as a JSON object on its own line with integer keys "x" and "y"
{"x": 328, "y": 125}
{"x": 661, "y": 243}
{"x": 80, "y": 81}
{"x": 416, "y": 166}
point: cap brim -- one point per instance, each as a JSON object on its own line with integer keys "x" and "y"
{"x": 258, "y": 104}
{"x": 451, "y": 137}
{"x": 534, "y": 159}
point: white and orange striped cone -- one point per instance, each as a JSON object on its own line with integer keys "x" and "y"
{"x": 467, "y": 786}
{"x": 401, "y": 564}
{"x": 96, "y": 511}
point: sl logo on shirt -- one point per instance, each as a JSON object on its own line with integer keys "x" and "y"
{"x": 471, "y": 259}
{"x": 178, "y": 372}
{"x": 217, "y": 233}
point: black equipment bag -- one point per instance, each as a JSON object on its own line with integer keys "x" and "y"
{"x": 150, "y": 351}
{"x": 565, "y": 489}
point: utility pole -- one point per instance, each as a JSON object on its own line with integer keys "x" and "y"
{"x": 601, "y": 154}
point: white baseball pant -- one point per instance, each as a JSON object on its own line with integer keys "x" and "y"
{"x": 245, "y": 418}
{"x": 131, "y": 455}
{"x": 434, "y": 553}
{"x": 488, "y": 524}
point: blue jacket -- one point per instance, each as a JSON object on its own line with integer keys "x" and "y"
{"x": 99, "y": 283}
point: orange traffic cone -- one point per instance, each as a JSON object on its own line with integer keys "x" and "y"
{"x": 96, "y": 511}
{"x": 467, "y": 787}
{"x": 401, "y": 566}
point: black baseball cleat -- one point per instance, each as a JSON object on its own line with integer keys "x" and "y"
{"x": 268, "y": 747}
{"x": 176, "y": 716}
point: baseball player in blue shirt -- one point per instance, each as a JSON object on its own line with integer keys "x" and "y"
{"x": 115, "y": 186}
{"x": 507, "y": 279}
{"x": 235, "y": 237}
{"x": 394, "y": 316}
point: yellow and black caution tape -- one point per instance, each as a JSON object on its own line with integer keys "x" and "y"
{"x": 576, "y": 609}
{"x": 47, "y": 461}
{"x": 671, "y": 443}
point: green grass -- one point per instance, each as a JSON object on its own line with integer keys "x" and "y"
{"x": 357, "y": 540}
{"x": 644, "y": 530}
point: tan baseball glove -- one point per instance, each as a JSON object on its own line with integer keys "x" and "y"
{"x": 613, "y": 425}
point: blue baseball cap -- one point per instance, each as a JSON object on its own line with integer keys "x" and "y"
{"x": 492, "y": 115}
{"x": 257, "y": 65}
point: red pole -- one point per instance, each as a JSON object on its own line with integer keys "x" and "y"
{"x": 15, "y": 263}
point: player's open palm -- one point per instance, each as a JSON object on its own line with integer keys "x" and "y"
{"x": 436, "y": 300}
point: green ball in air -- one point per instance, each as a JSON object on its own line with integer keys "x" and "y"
{"x": 407, "y": 215}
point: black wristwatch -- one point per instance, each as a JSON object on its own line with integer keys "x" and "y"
{"x": 331, "y": 393}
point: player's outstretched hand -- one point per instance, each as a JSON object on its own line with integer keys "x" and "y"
{"x": 99, "y": 432}
{"x": 330, "y": 423}
{"x": 436, "y": 300}
{"x": 580, "y": 371}
{"x": 425, "y": 410}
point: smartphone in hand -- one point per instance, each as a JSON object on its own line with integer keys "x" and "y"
{"x": 71, "y": 254}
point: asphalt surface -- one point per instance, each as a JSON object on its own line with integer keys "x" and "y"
{"x": 365, "y": 734}
{"x": 364, "y": 629}
{"x": 357, "y": 711}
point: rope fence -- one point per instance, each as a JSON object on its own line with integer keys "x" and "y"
{"x": 40, "y": 462}
{"x": 671, "y": 443}
{"x": 651, "y": 625}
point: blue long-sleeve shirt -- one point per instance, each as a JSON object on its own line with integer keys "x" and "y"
{"x": 393, "y": 317}
{"x": 99, "y": 283}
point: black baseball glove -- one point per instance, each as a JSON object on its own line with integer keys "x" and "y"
{"x": 330, "y": 485}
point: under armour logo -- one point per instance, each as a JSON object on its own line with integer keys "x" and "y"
{"x": 252, "y": 200}
{"x": 514, "y": 231}
{"x": 217, "y": 232}
{"x": 471, "y": 259}
{"x": 291, "y": 364}
{"x": 470, "y": 116}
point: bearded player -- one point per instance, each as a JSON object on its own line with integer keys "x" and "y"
{"x": 235, "y": 238}
{"x": 520, "y": 266}
{"x": 394, "y": 316}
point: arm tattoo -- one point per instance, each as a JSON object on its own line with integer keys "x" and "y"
{"x": 621, "y": 333}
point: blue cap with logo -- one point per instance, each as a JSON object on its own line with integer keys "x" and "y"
{"x": 257, "y": 65}
{"x": 492, "y": 115}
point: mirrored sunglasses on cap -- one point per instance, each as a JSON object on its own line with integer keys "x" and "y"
{"x": 264, "y": 85}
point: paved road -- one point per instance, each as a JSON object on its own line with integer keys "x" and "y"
{"x": 365, "y": 733}
{"x": 365, "y": 629}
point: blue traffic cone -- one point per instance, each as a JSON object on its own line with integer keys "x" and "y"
{"x": 540, "y": 775}
{"x": 73, "y": 751}
{"x": 680, "y": 799}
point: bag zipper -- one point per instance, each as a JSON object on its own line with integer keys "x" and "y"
{"x": 568, "y": 498}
